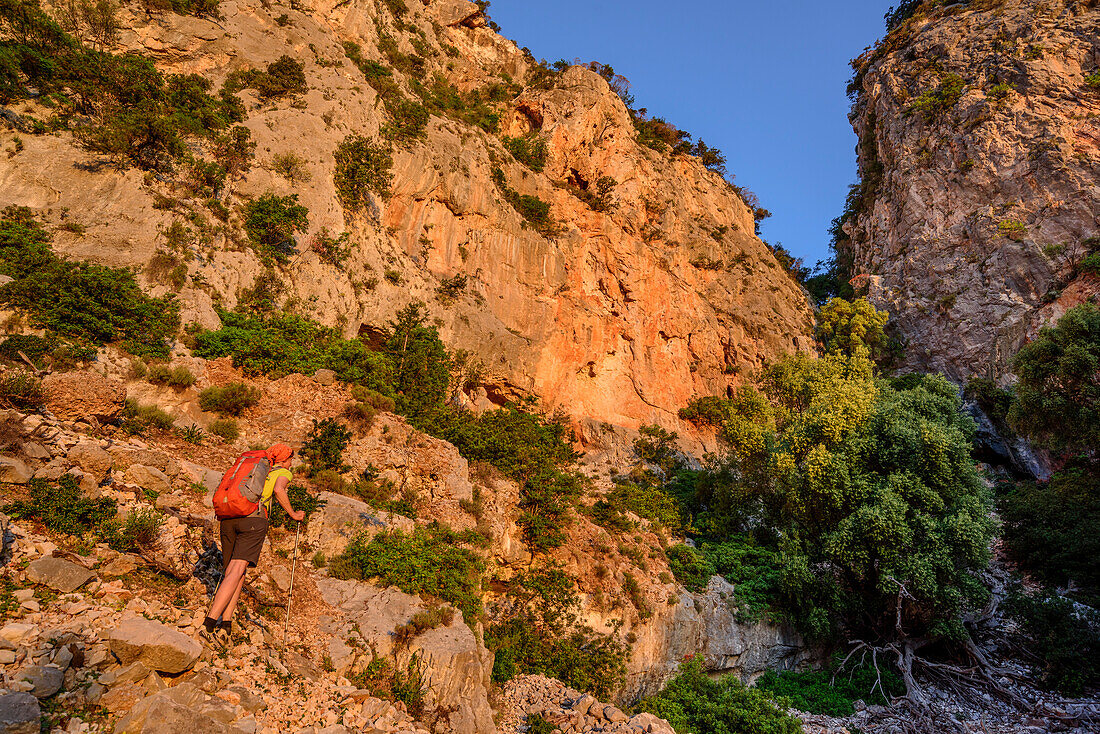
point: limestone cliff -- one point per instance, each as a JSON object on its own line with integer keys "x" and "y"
{"x": 604, "y": 317}
{"x": 979, "y": 157}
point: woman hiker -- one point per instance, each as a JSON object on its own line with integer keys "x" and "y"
{"x": 243, "y": 538}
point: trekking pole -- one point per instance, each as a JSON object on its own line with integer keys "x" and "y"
{"x": 290, "y": 593}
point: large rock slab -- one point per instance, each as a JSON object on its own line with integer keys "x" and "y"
{"x": 84, "y": 395}
{"x": 46, "y": 679}
{"x": 158, "y": 646}
{"x": 92, "y": 459}
{"x": 58, "y": 574}
{"x": 19, "y": 713}
{"x": 14, "y": 471}
{"x": 184, "y": 708}
{"x": 148, "y": 477}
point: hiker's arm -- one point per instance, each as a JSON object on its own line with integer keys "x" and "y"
{"x": 280, "y": 494}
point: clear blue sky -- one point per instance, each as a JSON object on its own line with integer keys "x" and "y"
{"x": 764, "y": 81}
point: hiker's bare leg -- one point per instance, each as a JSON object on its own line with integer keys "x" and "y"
{"x": 229, "y": 610}
{"x": 229, "y": 589}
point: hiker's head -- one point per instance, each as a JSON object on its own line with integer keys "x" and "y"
{"x": 279, "y": 453}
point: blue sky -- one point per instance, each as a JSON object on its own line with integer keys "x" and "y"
{"x": 764, "y": 81}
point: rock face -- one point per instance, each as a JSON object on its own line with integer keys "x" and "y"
{"x": 83, "y": 396}
{"x": 19, "y": 713}
{"x": 979, "y": 156}
{"x": 607, "y": 319}
{"x": 158, "y": 646}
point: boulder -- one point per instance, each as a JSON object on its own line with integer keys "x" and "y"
{"x": 126, "y": 456}
{"x": 58, "y": 574}
{"x": 325, "y": 376}
{"x": 13, "y": 471}
{"x": 84, "y": 395}
{"x": 156, "y": 645}
{"x": 148, "y": 477}
{"x": 46, "y": 680}
{"x": 183, "y": 708}
{"x": 19, "y": 713}
{"x": 36, "y": 451}
{"x": 454, "y": 12}
{"x": 92, "y": 459}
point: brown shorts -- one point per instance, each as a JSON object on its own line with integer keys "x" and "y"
{"x": 242, "y": 539}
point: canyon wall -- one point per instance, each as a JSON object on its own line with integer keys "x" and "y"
{"x": 979, "y": 157}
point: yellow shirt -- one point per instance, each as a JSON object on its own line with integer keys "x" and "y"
{"x": 269, "y": 485}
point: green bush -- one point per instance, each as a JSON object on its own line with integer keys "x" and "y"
{"x": 1065, "y": 635}
{"x": 136, "y": 419}
{"x": 1090, "y": 263}
{"x": 426, "y": 561}
{"x": 692, "y": 702}
{"x": 139, "y": 530}
{"x": 89, "y": 302}
{"x": 46, "y": 350}
{"x": 534, "y": 210}
{"x": 689, "y": 566}
{"x": 539, "y": 632}
{"x": 300, "y": 499}
{"x": 1058, "y": 394}
{"x": 62, "y": 508}
{"x": 229, "y": 399}
{"x": 994, "y": 401}
{"x": 608, "y": 517}
{"x": 1052, "y": 528}
{"x": 932, "y": 103}
{"x": 178, "y": 377}
{"x": 21, "y": 390}
{"x": 283, "y": 77}
{"x": 409, "y": 121}
{"x": 361, "y": 166}
{"x": 324, "y": 447}
{"x": 472, "y": 108}
{"x": 646, "y": 498}
{"x": 530, "y": 150}
{"x": 833, "y": 693}
{"x": 133, "y": 111}
{"x": 271, "y": 222}
{"x": 226, "y": 428}
{"x": 755, "y": 572}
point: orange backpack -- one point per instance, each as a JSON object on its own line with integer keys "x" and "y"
{"x": 242, "y": 487}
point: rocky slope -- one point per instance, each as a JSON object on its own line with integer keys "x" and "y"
{"x": 605, "y": 318}
{"x": 339, "y": 627}
{"x": 979, "y": 157}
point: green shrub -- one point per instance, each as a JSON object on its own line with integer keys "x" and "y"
{"x": 689, "y": 566}
{"x": 646, "y": 498}
{"x": 538, "y": 725}
{"x": 1052, "y": 528}
{"x": 693, "y": 702}
{"x": 46, "y": 350}
{"x": 1012, "y": 229}
{"x": 361, "y": 166}
{"x": 409, "y": 121}
{"x": 178, "y": 377}
{"x": 9, "y": 605}
{"x": 934, "y": 102}
{"x": 271, "y": 222}
{"x": 754, "y": 571}
{"x": 534, "y": 210}
{"x": 136, "y": 419}
{"x": 473, "y": 108}
{"x": 833, "y": 693}
{"x": 598, "y": 195}
{"x": 283, "y": 77}
{"x": 994, "y": 401}
{"x": 62, "y": 508}
{"x": 435, "y": 616}
{"x": 707, "y": 411}
{"x": 634, "y": 593}
{"x": 609, "y": 517}
{"x": 300, "y": 499}
{"x": 21, "y": 390}
{"x": 89, "y": 302}
{"x": 192, "y": 434}
{"x": 539, "y": 631}
{"x": 324, "y": 447}
{"x": 226, "y": 428}
{"x": 1058, "y": 393}
{"x": 138, "y": 531}
{"x": 1093, "y": 80}
{"x": 1065, "y": 635}
{"x": 229, "y": 399}
{"x": 425, "y": 561}
{"x": 530, "y": 150}
{"x": 1090, "y": 263}
{"x": 332, "y": 250}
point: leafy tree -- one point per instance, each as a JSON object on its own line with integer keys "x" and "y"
{"x": 852, "y": 328}
{"x": 361, "y": 166}
{"x": 1058, "y": 394}
{"x": 689, "y": 566}
{"x": 422, "y": 367}
{"x": 871, "y": 488}
{"x": 324, "y": 446}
